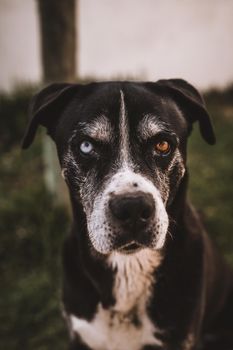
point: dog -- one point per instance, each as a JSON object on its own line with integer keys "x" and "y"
{"x": 140, "y": 272}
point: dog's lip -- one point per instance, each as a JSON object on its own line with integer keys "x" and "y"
{"x": 131, "y": 247}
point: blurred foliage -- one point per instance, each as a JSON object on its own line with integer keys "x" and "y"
{"x": 13, "y": 119}
{"x": 211, "y": 171}
{"x": 33, "y": 228}
{"x": 32, "y": 231}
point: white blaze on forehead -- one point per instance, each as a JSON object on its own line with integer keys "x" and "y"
{"x": 99, "y": 129}
{"x": 149, "y": 126}
{"x": 124, "y": 151}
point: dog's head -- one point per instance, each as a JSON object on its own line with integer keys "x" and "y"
{"x": 122, "y": 150}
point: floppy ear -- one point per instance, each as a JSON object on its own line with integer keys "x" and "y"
{"x": 46, "y": 107}
{"x": 190, "y": 101}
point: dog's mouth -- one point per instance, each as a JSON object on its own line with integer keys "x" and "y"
{"x": 128, "y": 243}
{"x": 130, "y": 248}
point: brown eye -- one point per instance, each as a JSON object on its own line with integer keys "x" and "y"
{"x": 162, "y": 147}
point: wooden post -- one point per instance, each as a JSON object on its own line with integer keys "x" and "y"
{"x": 58, "y": 39}
{"x": 57, "y": 20}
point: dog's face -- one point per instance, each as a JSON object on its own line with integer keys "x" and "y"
{"x": 122, "y": 149}
{"x": 123, "y": 162}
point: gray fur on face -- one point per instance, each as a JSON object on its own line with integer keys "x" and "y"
{"x": 121, "y": 179}
{"x": 99, "y": 129}
{"x": 102, "y": 232}
{"x": 149, "y": 126}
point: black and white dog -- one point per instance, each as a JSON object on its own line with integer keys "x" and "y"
{"x": 139, "y": 270}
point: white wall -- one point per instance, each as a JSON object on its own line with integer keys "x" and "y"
{"x": 19, "y": 42}
{"x": 149, "y": 39}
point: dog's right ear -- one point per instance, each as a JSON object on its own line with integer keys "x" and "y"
{"x": 190, "y": 100}
{"x": 46, "y": 107}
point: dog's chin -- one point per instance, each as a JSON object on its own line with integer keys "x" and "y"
{"x": 126, "y": 243}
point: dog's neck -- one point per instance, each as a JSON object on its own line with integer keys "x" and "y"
{"x": 134, "y": 277}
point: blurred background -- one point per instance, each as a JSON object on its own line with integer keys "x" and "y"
{"x": 66, "y": 40}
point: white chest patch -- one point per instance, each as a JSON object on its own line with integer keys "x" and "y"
{"x": 126, "y": 325}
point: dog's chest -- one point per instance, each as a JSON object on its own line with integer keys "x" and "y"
{"x": 126, "y": 325}
{"x": 111, "y": 330}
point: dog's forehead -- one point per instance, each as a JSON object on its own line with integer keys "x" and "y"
{"x": 98, "y": 116}
{"x": 148, "y": 112}
{"x": 138, "y": 102}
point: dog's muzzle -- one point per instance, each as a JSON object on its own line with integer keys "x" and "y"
{"x": 133, "y": 214}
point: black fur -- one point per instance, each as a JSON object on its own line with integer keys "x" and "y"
{"x": 193, "y": 293}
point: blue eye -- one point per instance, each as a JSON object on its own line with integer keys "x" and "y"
{"x": 86, "y": 147}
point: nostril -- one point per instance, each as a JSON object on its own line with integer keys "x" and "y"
{"x": 146, "y": 213}
{"x": 118, "y": 207}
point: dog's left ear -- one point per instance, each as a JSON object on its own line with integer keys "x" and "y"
{"x": 46, "y": 107}
{"x": 191, "y": 102}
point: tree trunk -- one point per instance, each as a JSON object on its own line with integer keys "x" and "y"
{"x": 58, "y": 39}
{"x": 58, "y": 50}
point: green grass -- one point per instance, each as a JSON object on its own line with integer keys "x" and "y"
{"x": 32, "y": 231}
{"x": 211, "y": 174}
{"x": 33, "y": 228}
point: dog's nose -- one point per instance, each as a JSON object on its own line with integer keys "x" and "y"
{"x": 133, "y": 209}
